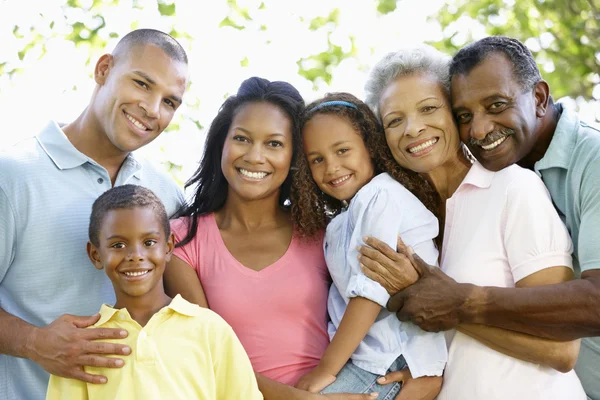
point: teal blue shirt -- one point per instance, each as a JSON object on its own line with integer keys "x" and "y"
{"x": 47, "y": 188}
{"x": 571, "y": 171}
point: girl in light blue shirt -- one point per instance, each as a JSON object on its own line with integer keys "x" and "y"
{"x": 348, "y": 182}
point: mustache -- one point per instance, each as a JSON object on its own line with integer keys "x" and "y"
{"x": 491, "y": 137}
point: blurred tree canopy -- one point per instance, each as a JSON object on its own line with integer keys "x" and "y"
{"x": 563, "y": 35}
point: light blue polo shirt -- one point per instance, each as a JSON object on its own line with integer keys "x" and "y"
{"x": 47, "y": 188}
{"x": 571, "y": 171}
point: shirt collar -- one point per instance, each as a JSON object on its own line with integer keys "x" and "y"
{"x": 178, "y": 305}
{"x": 561, "y": 147}
{"x": 58, "y": 147}
{"x": 65, "y": 156}
{"x": 477, "y": 176}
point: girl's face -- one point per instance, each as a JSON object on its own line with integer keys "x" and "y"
{"x": 419, "y": 127}
{"x": 339, "y": 161}
{"x": 257, "y": 152}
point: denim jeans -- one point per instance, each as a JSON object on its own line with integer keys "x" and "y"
{"x": 352, "y": 379}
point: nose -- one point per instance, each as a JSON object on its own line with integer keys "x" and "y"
{"x": 414, "y": 127}
{"x": 136, "y": 252}
{"x": 480, "y": 127}
{"x": 331, "y": 167}
{"x": 255, "y": 154}
{"x": 151, "y": 106}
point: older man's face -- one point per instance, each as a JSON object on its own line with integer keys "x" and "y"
{"x": 496, "y": 118}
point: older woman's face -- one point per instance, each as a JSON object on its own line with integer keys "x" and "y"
{"x": 418, "y": 122}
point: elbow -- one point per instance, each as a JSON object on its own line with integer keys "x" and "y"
{"x": 566, "y": 354}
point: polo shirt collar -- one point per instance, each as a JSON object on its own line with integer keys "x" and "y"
{"x": 58, "y": 147}
{"x": 178, "y": 305}
{"x": 66, "y": 156}
{"x": 477, "y": 176}
{"x": 561, "y": 147}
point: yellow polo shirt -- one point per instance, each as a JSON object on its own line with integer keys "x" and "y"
{"x": 184, "y": 352}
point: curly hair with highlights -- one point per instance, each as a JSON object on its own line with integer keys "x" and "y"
{"x": 311, "y": 208}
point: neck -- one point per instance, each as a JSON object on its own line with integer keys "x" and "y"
{"x": 86, "y": 134}
{"x": 544, "y": 133}
{"x": 142, "y": 308}
{"x": 249, "y": 216}
{"x": 447, "y": 177}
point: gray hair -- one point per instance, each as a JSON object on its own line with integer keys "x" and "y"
{"x": 421, "y": 59}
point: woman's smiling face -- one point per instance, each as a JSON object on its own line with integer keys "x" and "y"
{"x": 418, "y": 122}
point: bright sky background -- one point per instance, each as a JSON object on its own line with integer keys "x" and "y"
{"x": 58, "y": 85}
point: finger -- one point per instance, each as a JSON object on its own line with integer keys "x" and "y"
{"x": 83, "y": 322}
{"x": 102, "y": 362}
{"x": 396, "y": 302}
{"x": 396, "y": 376}
{"x": 81, "y": 375}
{"x": 103, "y": 333}
{"x": 369, "y": 273}
{"x": 401, "y": 247}
{"x": 420, "y": 266}
{"x": 106, "y": 348}
{"x": 348, "y": 396}
{"x": 366, "y": 252}
{"x": 380, "y": 247}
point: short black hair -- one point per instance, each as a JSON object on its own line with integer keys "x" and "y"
{"x": 525, "y": 69}
{"x": 143, "y": 37}
{"x": 125, "y": 197}
{"x": 209, "y": 181}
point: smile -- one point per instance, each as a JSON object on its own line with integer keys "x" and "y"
{"x": 251, "y": 174}
{"x": 136, "y": 275}
{"x": 422, "y": 146}
{"x": 494, "y": 144}
{"x": 339, "y": 181}
{"x": 135, "y": 122}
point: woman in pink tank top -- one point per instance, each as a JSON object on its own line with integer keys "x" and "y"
{"x": 237, "y": 250}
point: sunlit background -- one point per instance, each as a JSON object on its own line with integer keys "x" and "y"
{"x": 48, "y": 49}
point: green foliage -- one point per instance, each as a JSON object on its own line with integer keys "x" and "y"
{"x": 166, "y": 9}
{"x": 564, "y": 36}
{"x": 386, "y": 6}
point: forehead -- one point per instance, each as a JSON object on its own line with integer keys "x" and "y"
{"x": 407, "y": 90}
{"x": 157, "y": 64}
{"x": 326, "y": 129}
{"x": 122, "y": 220}
{"x": 492, "y": 77}
{"x": 257, "y": 117}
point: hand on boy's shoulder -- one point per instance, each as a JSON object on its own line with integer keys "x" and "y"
{"x": 65, "y": 346}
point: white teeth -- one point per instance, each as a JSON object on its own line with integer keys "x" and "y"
{"x": 423, "y": 146}
{"x": 340, "y": 180}
{"x": 136, "y": 122}
{"x": 140, "y": 273}
{"x": 495, "y": 144}
{"x": 253, "y": 175}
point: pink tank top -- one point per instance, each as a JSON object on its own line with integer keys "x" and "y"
{"x": 278, "y": 313}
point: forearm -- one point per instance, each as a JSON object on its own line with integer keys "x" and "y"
{"x": 563, "y": 311}
{"x": 273, "y": 390}
{"x": 356, "y": 322}
{"x": 555, "y": 354}
{"x": 15, "y": 335}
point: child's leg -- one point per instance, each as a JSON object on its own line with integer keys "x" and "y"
{"x": 352, "y": 379}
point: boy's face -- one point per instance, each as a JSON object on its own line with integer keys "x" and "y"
{"x": 133, "y": 250}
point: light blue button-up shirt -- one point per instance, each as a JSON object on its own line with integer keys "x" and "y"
{"x": 47, "y": 188}
{"x": 383, "y": 209}
{"x": 570, "y": 170}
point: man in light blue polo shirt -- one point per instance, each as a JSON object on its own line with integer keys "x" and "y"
{"x": 48, "y": 288}
{"x": 505, "y": 115}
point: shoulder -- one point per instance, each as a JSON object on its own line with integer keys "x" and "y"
{"x": 180, "y": 225}
{"x": 23, "y": 155}
{"x": 162, "y": 184}
{"x": 200, "y": 317}
{"x": 517, "y": 179}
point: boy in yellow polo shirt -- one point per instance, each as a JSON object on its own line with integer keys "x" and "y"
{"x": 179, "y": 350}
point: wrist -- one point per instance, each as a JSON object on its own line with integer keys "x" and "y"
{"x": 472, "y": 308}
{"x": 28, "y": 345}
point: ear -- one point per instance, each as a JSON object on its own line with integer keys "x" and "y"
{"x": 103, "y": 67}
{"x": 541, "y": 92}
{"x": 170, "y": 247}
{"x": 93, "y": 255}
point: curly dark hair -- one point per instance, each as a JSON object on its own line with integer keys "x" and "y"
{"x": 211, "y": 185}
{"x": 311, "y": 208}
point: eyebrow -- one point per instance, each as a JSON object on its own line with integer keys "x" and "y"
{"x": 427, "y": 98}
{"x": 152, "y": 82}
{"x": 250, "y": 133}
{"x": 151, "y": 233}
